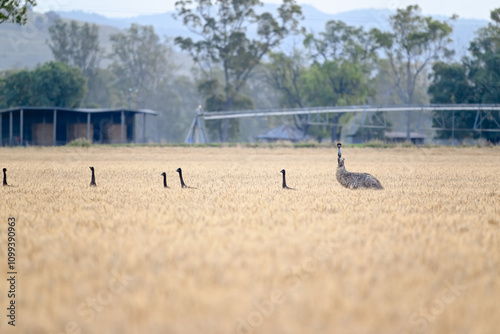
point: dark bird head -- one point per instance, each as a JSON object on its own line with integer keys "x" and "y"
{"x": 339, "y": 145}
{"x": 341, "y": 162}
{"x": 163, "y": 174}
{"x": 179, "y": 170}
{"x": 91, "y": 168}
{"x": 282, "y": 171}
{"x": 4, "y": 170}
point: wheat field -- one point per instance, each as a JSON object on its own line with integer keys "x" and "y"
{"x": 241, "y": 255}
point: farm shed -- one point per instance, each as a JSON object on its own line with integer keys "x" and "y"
{"x": 58, "y": 126}
{"x": 283, "y": 132}
{"x": 400, "y": 137}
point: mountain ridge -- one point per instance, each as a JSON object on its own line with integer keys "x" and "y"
{"x": 21, "y": 48}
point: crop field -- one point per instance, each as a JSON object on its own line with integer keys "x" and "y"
{"x": 239, "y": 254}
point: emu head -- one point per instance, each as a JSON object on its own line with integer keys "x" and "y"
{"x": 179, "y": 170}
{"x": 163, "y": 174}
{"x": 4, "y": 170}
{"x": 282, "y": 171}
{"x": 91, "y": 168}
{"x": 339, "y": 145}
{"x": 341, "y": 162}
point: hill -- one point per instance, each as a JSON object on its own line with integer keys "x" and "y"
{"x": 26, "y": 46}
{"x": 314, "y": 20}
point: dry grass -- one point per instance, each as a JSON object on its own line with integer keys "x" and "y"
{"x": 333, "y": 260}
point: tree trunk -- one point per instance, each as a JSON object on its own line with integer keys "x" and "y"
{"x": 225, "y": 130}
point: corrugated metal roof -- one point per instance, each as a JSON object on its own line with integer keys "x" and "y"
{"x": 283, "y": 132}
{"x": 414, "y": 135}
{"x": 82, "y": 110}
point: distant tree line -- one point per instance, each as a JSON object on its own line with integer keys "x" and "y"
{"x": 239, "y": 65}
{"x": 476, "y": 79}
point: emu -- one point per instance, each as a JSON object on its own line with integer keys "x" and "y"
{"x": 164, "y": 180}
{"x": 5, "y": 177}
{"x": 355, "y": 180}
{"x": 183, "y": 185}
{"x": 92, "y": 181}
{"x": 284, "y": 180}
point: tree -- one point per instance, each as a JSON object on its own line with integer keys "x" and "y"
{"x": 18, "y": 89}
{"x": 15, "y": 11}
{"x": 176, "y": 100}
{"x": 141, "y": 61}
{"x": 340, "y": 74}
{"x": 450, "y": 84}
{"x": 52, "y": 84}
{"x": 415, "y": 42}
{"x": 335, "y": 83}
{"x": 341, "y": 41}
{"x": 475, "y": 80}
{"x": 57, "y": 84}
{"x": 224, "y": 44}
{"x": 484, "y": 62}
{"x": 344, "y": 58}
{"x": 215, "y": 101}
{"x": 78, "y": 45}
{"x": 285, "y": 74}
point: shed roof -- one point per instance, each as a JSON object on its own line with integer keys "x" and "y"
{"x": 82, "y": 110}
{"x": 413, "y": 135}
{"x": 283, "y": 132}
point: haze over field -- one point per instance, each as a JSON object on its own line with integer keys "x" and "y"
{"x": 307, "y": 58}
{"x": 115, "y": 8}
{"x": 25, "y": 47}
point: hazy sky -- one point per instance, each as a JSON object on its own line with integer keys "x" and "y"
{"x": 119, "y": 8}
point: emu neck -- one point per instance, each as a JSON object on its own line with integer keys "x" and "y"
{"x": 341, "y": 170}
{"x": 165, "y": 181}
{"x": 284, "y": 181}
{"x": 4, "y": 178}
{"x": 182, "y": 180}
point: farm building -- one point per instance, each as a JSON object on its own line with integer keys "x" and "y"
{"x": 59, "y": 126}
{"x": 283, "y": 132}
{"x": 400, "y": 137}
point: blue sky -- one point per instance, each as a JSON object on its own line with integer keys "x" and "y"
{"x": 122, "y": 8}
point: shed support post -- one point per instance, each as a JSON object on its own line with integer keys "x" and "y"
{"x": 43, "y": 130}
{"x": 144, "y": 128}
{"x": 122, "y": 126}
{"x": 11, "y": 129}
{"x": 453, "y": 128}
{"x": 21, "y": 124}
{"x": 88, "y": 127}
{"x": 55, "y": 126}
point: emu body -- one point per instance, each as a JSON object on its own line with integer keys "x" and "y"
{"x": 92, "y": 181}
{"x": 356, "y": 180}
{"x": 165, "y": 180}
{"x": 284, "y": 180}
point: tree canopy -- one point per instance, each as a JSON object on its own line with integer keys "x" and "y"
{"x": 225, "y": 44}
{"x": 475, "y": 80}
{"x": 140, "y": 61}
{"x": 15, "y": 11}
{"x": 52, "y": 84}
